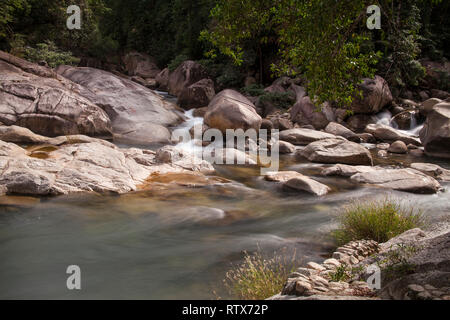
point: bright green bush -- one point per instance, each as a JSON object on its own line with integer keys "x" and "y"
{"x": 376, "y": 220}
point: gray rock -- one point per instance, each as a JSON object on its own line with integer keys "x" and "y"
{"x": 138, "y": 114}
{"x": 336, "y": 151}
{"x": 389, "y": 134}
{"x": 186, "y": 74}
{"x": 376, "y": 95}
{"x": 398, "y": 147}
{"x": 435, "y": 135}
{"x": 433, "y": 170}
{"x": 301, "y": 136}
{"x": 297, "y": 181}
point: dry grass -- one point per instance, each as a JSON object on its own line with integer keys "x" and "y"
{"x": 258, "y": 278}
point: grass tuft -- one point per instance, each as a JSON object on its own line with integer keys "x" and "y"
{"x": 258, "y": 278}
{"x": 378, "y": 220}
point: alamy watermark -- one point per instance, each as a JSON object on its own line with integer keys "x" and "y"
{"x": 74, "y": 280}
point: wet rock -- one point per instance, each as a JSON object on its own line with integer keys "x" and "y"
{"x": 404, "y": 119}
{"x": 339, "y": 130}
{"x": 231, "y": 110}
{"x": 285, "y": 147}
{"x": 336, "y": 151}
{"x": 435, "y": 134}
{"x": 398, "y": 147}
{"x": 389, "y": 134}
{"x": 302, "y": 136}
{"x": 297, "y": 181}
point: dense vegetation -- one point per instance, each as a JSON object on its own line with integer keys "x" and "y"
{"x": 325, "y": 42}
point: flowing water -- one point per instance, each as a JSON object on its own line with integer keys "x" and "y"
{"x": 171, "y": 242}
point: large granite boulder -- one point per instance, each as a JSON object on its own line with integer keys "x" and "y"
{"x": 140, "y": 64}
{"x": 162, "y": 79}
{"x": 435, "y": 134}
{"x": 337, "y": 151}
{"x": 231, "y": 110}
{"x": 197, "y": 95}
{"x": 139, "y": 116}
{"x": 304, "y": 112}
{"x": 187, "y": 73}
{"x": 94, "y": 166}
{"x": 34, "y": 97}
{"x": 376, "y": 95}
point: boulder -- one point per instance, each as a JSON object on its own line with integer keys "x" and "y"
{"x": 389, "y": 134}
{"x": 36, "y": 98}
{"x": 304, "y": 112}
{"x": 162, "y": 79}
{"x": 408, "y": 180}
{"x": 139, "y": 115}
{"x": 187, "y": 73}
{"x": 94, "y": 166}
{"x": 376, "y": 95}
{"x": 197, "y": 95}
{"x": 298, "y": 181}
{"x": 428, "y": 105}
{"x": 398, "y": 147}
{"x": 433, "y": 170}
{"x": 231, "y": 110}
{"x": 404, "y": 119}
{"x": 359, "y": 122}
{"x": 141, "y": 65}
{"x": 435, "y": 135}
{"x": 285, "y": 147}
{"x": 337, "y": 151}
{"x": 339, "y": 130}
{"x": 302, "y": 136}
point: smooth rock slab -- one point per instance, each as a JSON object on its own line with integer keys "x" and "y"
{"x": 337, "y": 151}
{"x": 302, "y": 136}
{"x": 433, "y": 170}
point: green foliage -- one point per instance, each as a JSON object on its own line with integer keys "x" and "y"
{"x": 258, "y": 278}
{"x": 254, "y": 90}
{"x": 396, "y": 261}
{"x": 282, "y": 100}
{"x": 9, "y": 10}
{"x": 179, "y": 59}
{"x": 376, "y": 220}
{"x": 51, "y": 54}
{"x": 340, "y": 274}
{"x": 227, "y": 74}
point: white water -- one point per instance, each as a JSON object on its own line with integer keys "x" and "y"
{"x": 385, "y": 118}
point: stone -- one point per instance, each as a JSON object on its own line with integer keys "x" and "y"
{"x": 426, "y": 106}
{"x": 197, "y": 95}
{"x": 285, "y": 147}
{"x": 432, "y": 170}
{"x": 435, "y": 135}
{"x": 339, "y": 130}
{"x": 162, "y": 79}
{"x": 297, "y": 181}
{"x": 186, "y": 74}
{"x": 141, "y": 65}
{"x": 34, "y": 97}
{"x": 359, "y": 122}
{"x": 139, "y": 115}
{"x": 315, "y": 266}
{"x": 398, "y": 147}
{"x": 336, "y": 151}
{"x": 301, "y": 136}
{"x": 376, "y": 95}
{"x": 332, "y": 262}
{"x": 302, "y": 287}
{"x": 231, "y": 110}
{"x": 304, "y": 112}
{"x": 408, "y": 180}
{"x": 389, "y": 134}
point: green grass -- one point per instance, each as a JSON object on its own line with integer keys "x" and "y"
{"x": 258, "y": 278}
{"x": 378, "y": 220}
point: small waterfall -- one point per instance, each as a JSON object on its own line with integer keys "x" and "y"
{"x": 385, "y": 118}
{"x": 192, "y": 146}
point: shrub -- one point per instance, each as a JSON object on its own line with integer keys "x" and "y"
{"x": 257, "y": 278}
{"x": 282, "y": 100}
{"x": 51, "y": 54}
{"x": 254, "y": 90}
{"x": 376, "y": 220}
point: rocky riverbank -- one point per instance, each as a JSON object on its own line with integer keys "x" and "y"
{"x": 412, "y": 266}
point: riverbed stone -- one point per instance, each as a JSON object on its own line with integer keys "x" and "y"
{"x": 433, "y": 170}
{"x": 398, "y": 147}
{"x": 337, "y": 151}
{"x": 435, "y": 134}
{"x": 302, "y": 136}
{"x": 389, "y": 134}
{"x": 298, "y": 181}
